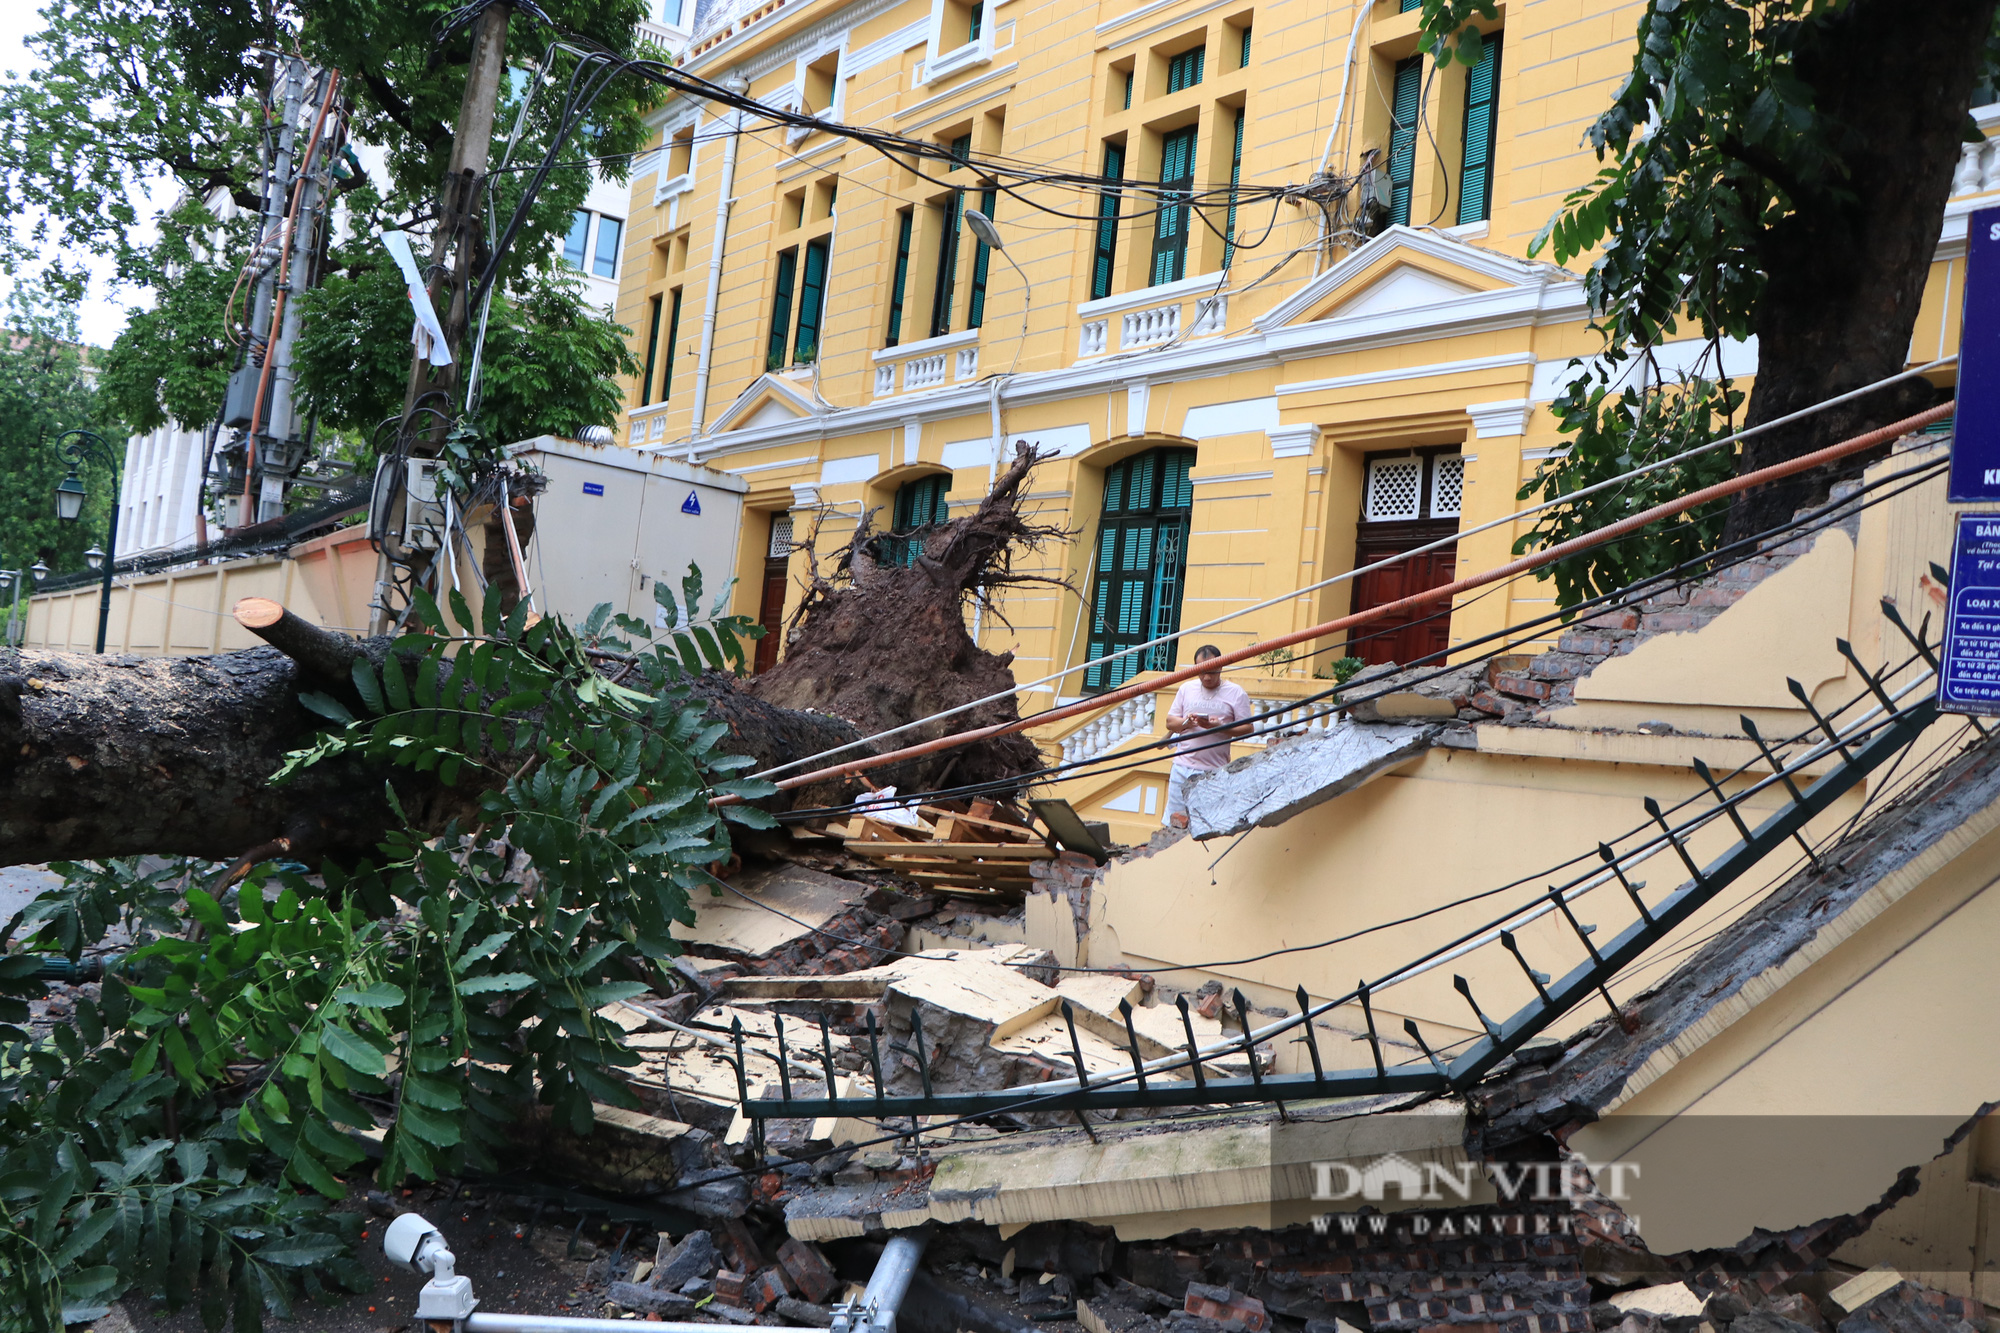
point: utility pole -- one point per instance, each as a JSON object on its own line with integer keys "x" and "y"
{"x": 459, "y": 205}
{"x": 449, "y": 275}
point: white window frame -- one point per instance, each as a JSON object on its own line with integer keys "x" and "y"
{"x": 940, "y": 65}
{"x": 798, "y": 133}
{"x": 665, "y": 187}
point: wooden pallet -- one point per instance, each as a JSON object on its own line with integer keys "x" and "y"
{"x": 954, "y": 849}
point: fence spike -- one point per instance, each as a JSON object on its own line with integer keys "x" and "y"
{"x": 1075, "y": 1046}
{"x": 1660, "y": 818}
{"x": 784, "y": 1065}
{"x": 1132, "y": 1036}
{"x": 1374, "y": 1042}
{"x": 1464, "y": 987}
{"x": 1540, "y": 980}
{"x": 1846, "y": 650}
{"x": 742, "y": 1083}
{"x": 826, "y": 1052}
{"x": 1778, "y": 767}
{"x": 875, "y": 1055}
{"x": 923, "y": 1061}
{"x": 1312, "y": 1043}
{"x": 1728, "y": 806}
{"x": 1826, "y": 728}
{"x": 1610, "y": 858}
{"x": 1583, "y": 932}
{"x": 1942, "y": 575}
{"x": 1194, "y": 1051}
{"x": 1249, "y": 1046}
{"x": 1410, "y": 1026}
{"x": 1919, "y": 639}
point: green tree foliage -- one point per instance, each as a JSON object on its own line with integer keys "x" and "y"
{"x": 161, "y": 96}
{"x": 161, "y": 1147}
{"x": 172, "y": 362}
{"x": 549, "y": 364}
{"x": 1715, "y": 140}
{"x": 45, "y": 389}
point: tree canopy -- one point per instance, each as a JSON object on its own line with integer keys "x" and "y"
{"x": 1775, "y": 169}
{"x": 158, "y": 99}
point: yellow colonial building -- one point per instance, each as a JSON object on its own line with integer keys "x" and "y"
{"x": 1236, "y": 401}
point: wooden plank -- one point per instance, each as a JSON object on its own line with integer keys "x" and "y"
{"x": 1009, "y": 831}
{"x": 966, "y": 884}
{"x": 960, "y": 851}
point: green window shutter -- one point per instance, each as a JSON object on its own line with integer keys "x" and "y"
{"x": 1244, "y": 58}
{"x": 920, "y": 504}
{"x": 1184, "y": 70}
{"x": 1406, "y": 102}
{"x": 1128, "y": 90}
{"x": 1407, "y": 5}
{"x": 1170, "y": 223}
{"x": 977, "y": 21}
{"x": 812, "y": 303}
{"x": 1141, "y": 565}
{"x": 652, "y": 353}
{"x": 901, "y": 284}
{"x": 1482, "y": 124}
{"x": 1235, "y": 178}
{"x": 961, "y": 152}
{"x": 1104, "y": 260}
{"x": 982, "y": 259}
{"x": 950, "y": 215}
{"x": 781, "y": 311}
{"x": 673, "y": 337}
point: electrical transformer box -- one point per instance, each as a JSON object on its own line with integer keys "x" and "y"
{"x": 611, "y": 521}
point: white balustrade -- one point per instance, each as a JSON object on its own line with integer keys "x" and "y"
{"x": 1211, "y": 315}
{"x": 923, "y": 371}
{"x": 1978, "y": 169}
{"x": 885, "y": 380}
{"x": 1275, "y": 722}
{"x": 1111, "y": 729}
{"x": 968, "y": 364}
{"x": 1092, "y": 341}
{"x": 1143, "y": 328}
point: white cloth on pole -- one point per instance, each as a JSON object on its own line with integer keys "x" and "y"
{"x": 428, "y": 332}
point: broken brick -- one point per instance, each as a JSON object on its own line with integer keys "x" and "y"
{"x": 808, "y": 1271}
{"x": 765, "y": 1290}
{"x": 1538, "y": 690}
{"x": 737, "y": 1243}
{"x": 729, "y": 1287}
{"x": 1225, "y": 1306}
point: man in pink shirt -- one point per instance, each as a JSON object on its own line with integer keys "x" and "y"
{"x": 1199, "y": 706}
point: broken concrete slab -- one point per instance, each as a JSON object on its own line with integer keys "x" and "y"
{"x": 675, "y": 1265}
{"x": 1264, "y": 789}
{"x": 780, "y": 904}
{"x": 650, "y": 1300}
{"x": 1668, "y": 1300}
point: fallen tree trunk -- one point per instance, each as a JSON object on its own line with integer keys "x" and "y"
{"x": 107, "y": 756}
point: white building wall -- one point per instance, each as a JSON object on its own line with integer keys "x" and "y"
{"x": 160, "y": 496}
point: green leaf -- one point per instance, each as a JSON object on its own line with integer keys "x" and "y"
{"x": 496, "y": 981}
{"x": 326, "y": 706}
{"x": 300, "y": 1251}
{"x": 670, "y": 610}
{"x": 375, "y": 995}
{"x": 363, "y": 675}
{"x": 351, "y": 1050}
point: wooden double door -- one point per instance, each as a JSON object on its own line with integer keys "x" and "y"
{"x": 1416, "y": 634}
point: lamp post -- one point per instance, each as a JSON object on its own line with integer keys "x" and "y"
{"x": 83, "y": 446}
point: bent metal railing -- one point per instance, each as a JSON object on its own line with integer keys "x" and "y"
{"x": 1872, "y": 739}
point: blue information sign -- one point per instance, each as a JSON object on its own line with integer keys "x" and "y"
{"x": 1975, "y": 444}
{"x": 1970, "y": 680}
{"x": 691, "y": 505}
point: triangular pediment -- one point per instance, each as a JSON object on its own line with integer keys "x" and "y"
{"x": 769, "y": 401}
{"x": 1405, "y": 273}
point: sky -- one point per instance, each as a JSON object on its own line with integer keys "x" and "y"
{"x": 102, "y": 314}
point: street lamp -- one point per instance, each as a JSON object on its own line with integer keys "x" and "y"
{"x": 39, "y": 570}
{"x": 81, "y": 446}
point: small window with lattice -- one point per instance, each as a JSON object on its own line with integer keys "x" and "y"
{"x": 1395, "y": 490}
{"x": 1447, "y": 485}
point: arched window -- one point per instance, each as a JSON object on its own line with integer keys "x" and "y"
{"x": 920, "y": 505}
{"x": 1140, "y": 564}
